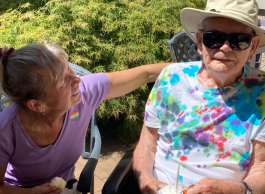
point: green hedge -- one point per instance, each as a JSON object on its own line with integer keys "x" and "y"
{"x": 101, "y": 36}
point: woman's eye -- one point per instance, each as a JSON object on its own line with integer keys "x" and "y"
{"x": 63, "y": 82}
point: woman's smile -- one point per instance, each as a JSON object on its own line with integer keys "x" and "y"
{"x": 76, "y": 93}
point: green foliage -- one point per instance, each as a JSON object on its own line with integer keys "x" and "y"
{"x": 14, "y": 4}
{"x": 101, "y": 36}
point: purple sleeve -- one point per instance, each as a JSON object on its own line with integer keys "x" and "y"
{"x": 95, "y": 88}
{"x": 6, "y": 135}
{"x": 6, "y": 149}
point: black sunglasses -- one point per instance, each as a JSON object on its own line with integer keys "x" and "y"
{"x": 237, "y": 41}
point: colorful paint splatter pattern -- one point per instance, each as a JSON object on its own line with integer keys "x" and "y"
{"x": 209, "y": 124}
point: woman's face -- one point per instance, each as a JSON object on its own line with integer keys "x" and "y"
{"x": 64, "y": 93}
{"x": 225, "y": 60}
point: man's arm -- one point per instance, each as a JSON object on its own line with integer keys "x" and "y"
{"x": 254, "y": 178}
{"x": 144, "y": 158}
{"x": 123, "y": 82}
{"x": 256, "y": 172}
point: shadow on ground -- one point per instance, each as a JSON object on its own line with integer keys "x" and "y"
{"x": 110, "y": 142}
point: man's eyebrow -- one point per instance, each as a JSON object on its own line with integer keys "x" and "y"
{"x": 213, "y": 30}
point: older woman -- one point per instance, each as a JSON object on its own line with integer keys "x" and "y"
{"x": 42, "y": 132}
{"x": 209, "y": 116}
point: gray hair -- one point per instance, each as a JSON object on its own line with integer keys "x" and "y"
{"x": 203, "y": 23}
{"x": 20, "y": 76}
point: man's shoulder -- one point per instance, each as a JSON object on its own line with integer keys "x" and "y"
{"x": 185, "y": 70}
{"x": 177, "y": 67}
{"x": 177, "y": 74}
{"x": 252, "y": 72}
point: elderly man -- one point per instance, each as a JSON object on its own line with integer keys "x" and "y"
{"x": 209, "y": 116}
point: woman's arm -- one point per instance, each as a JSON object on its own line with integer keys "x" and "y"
{"x": 144, "y": 159}
{"x": 6, "y": 188}
{"x": 123, "y": 82}
{"x": 254, "y": 178}
{"x": 9, "y": 189}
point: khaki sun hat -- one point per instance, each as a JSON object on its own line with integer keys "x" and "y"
{"x": 243, "y": 11}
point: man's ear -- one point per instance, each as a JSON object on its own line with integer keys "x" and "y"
{"x": 34, "y": 105}
{"x": 199, "y": 40}
{"x": 254, "y": 47}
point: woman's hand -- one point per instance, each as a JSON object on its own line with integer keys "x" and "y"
{"x": 215, "y": 186}
{"x": 151, "y": 185}
{"x": 45, "y": 189}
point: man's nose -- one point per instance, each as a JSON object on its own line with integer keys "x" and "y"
{"x": 226, "y": 47}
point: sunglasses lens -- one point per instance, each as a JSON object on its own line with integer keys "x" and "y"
{"x": 240, "y": 41}
{"x": 237, "y": 41}
{"x": 213, "y": 40}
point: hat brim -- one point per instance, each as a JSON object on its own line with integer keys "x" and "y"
{"x": 191, "y": 19}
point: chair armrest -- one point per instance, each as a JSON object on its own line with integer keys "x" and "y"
{"x": 86, "y": 179}
{"x": 87, "y": 175}
{"x": 119, "y": 174}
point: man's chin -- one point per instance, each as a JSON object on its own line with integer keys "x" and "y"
{"x": 221, "y": 69}
{"x": 222, "y": 66}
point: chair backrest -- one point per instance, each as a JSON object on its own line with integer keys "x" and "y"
{"x": 3, "y": 101}
{"x": 81, "y": 72}
{"x": 256, "y": 61}
{"x": 184, "y": 49}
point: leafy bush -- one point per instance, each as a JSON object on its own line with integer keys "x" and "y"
{"x": 101, "y": 36}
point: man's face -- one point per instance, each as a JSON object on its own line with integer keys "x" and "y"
{"x": 225, "y": 60}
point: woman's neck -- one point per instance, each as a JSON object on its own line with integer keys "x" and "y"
{"x": 32, "y": 118}
{"x": 43, "y": 130}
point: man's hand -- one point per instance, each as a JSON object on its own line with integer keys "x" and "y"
{"x": 45, "y": 189}
{"x": 215, "y": 186}
{"x": 150, "y": 185}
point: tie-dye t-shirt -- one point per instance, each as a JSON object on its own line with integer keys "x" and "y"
{"x": 207, "y": 130}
